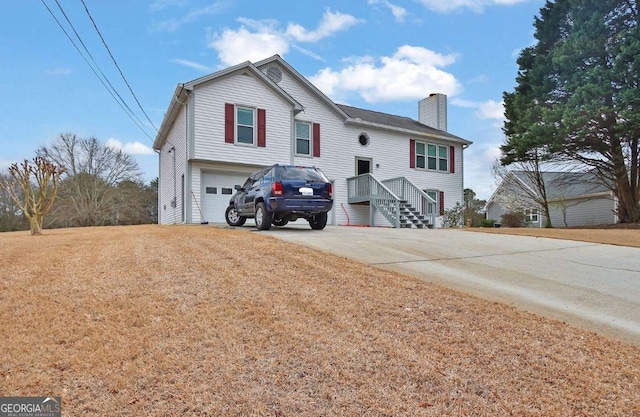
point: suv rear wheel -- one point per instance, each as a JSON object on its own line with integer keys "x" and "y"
{"x": 263, "y": 217}
{"x": 318, "y": 221}
{"x": 233, "y": 218}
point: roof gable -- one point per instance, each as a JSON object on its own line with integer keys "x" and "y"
{"x": 183, "y": 90}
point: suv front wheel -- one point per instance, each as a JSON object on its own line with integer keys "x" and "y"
{"x": 233, "y": 218}
{"x": 318, "y": 221}
{"x": 263, "y": 217}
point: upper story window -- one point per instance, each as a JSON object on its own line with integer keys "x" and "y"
{"x": 303, "y": 138}
{"x": 245, "y": 125}
{"x": 435, "y": 157}
{"x": 420, "y": 155}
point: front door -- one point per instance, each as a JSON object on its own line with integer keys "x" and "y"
{"x": 363, "y": 165}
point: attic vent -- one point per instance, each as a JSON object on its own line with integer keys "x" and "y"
{"x": 274, "y": 74}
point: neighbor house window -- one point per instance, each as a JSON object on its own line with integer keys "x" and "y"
{"x": 420, "y": 155}
{"x": 432, "y": 157}
{"x": 533, "y": 215}
{"x": 245, "y": 122}
{"x": 303, "y": 138}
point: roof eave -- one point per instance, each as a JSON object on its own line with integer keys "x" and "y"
{"x": 248, "y": 66}
{"x": 179, "y": 96}
{"x": 333, "y": 106}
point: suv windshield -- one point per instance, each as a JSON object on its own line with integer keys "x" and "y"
{"x": 302, "y": 173}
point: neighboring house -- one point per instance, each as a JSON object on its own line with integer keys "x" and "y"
{"x": 575, "y": 199}
{"x": 385, "y": 169}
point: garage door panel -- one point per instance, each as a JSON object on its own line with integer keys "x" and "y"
{"x": 217, "y": 189}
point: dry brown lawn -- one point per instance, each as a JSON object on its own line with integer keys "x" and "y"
{"x": 196, "y": 320}
{"x": 613, "y": 236}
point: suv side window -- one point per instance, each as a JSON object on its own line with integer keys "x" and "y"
{"x": 268, "y": 177}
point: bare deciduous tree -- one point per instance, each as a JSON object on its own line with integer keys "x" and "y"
{"x": 89, "y": 191}
{"x": 519, "y": 196}
{"x": 33, "y": 188}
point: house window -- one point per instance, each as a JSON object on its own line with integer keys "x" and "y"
{"x": 245, "y": 118}
{"x": 363, "y": 139}
{"x": 443, "y": 157}
{"x": 420, "y": 155}
{"x": 303, "y": 138}
{"x": 436, "y": 157}
{"x": 432, "y": 206}
{"x": 533, "y": 215}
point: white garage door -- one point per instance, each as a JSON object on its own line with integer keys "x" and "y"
{"x": 217, "y": 189}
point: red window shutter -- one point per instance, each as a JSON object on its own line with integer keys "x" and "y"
{"x": 412, "y": 153}
{"x": 262, "y": 128}
{"x": 316, "y": 139}
{"x": 441, "y": 201}
{"x": 452, "y": 159}
{"x": 229, "y": 122}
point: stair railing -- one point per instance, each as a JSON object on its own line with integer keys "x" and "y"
{"x": 408, "y": 191}
{"x": 366, "y": 187}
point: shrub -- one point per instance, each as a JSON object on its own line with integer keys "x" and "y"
{"x": 514, "y": 219}
{"x": 487, "y": 223}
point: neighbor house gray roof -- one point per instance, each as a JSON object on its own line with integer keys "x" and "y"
{"x": 401, "y": 122}
{"x": 560, "y": 185}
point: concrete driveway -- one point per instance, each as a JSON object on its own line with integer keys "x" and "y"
{"x": 593, "y": 286}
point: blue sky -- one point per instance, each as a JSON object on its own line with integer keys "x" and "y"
{"x": 375, "y": 54}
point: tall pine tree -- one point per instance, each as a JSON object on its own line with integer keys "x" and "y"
{"x": 577, "y": 95}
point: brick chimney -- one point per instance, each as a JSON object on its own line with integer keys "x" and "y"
{"x": 432, "y": 111}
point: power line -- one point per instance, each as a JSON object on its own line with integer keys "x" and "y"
{"x": 111, "y": 90}
{"x": 97, "y": 65}
{"x": 116, "y": 64}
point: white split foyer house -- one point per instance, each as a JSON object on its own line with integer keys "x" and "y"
{"x": 222, "y": 127}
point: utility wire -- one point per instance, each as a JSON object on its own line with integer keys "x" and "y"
{"x": 96, "y": 74}
{"x": 116, "y": 64}
{"x": 97, "y": 65}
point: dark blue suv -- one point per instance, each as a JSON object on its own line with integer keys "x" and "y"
{"x": 281, "y": 194}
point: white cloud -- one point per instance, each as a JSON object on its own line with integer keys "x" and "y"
{"x": 173, "y": 24}
{"x": 235, "y": 46}
{"x": 132, "y": 148}
{"x": 411, "y": 73}
{"x": 258, "y": 39}
{"x": 192, "y": 64}
{"x": 398, "y": 12}
{"x": 445, "y": 6}
{"x": 491, "y": 109}
{"x": 331, "y": 23}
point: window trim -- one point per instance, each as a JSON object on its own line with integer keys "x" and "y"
{"x": 310, "y": 139}
{"x": 253, "y": 127}
{"x": 438, "y": 157}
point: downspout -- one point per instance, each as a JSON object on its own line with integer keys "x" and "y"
{"x": 159, "y": 188}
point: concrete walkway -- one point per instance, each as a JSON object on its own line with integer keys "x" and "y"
{"x": 593, "y": 286}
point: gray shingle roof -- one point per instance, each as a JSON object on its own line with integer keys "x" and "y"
{"x": 395, "y": 121}
{"x": 567, "y": 184}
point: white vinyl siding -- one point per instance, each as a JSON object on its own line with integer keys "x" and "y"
{"x": 173, "y": 157}
{"x": 245, "y": 91}
{"x": 583, "y": 212}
